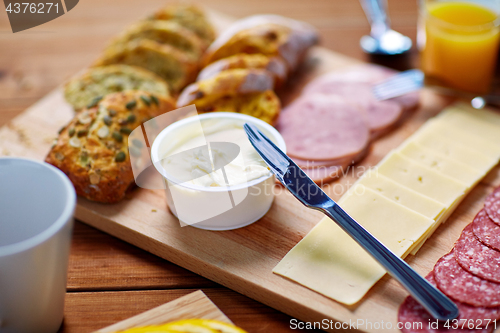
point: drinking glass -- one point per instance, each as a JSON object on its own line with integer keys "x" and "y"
{"x": 458, "y": 43}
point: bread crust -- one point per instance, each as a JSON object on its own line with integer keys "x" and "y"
{"x": 92, "y": 149}
{"x": 272, "y": 35}
{"x": 229, "y": 82}
{"x": 274, "y": 65}
{"x": 96, "y": 82}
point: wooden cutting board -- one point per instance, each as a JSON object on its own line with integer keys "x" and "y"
{"x": 243, "y": 259}
{"x": 194, "y": 305}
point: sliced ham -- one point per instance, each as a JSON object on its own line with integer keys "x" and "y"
{"x": 382, "y": 116}
{"x": 322, "y": 128}
{"x": 324, "y": 174}
{"x": 341, "y": 161}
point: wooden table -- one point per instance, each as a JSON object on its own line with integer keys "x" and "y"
{"x": 110, "y": 280}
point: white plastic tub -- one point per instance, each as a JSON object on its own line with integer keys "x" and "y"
{"x": 212, "y": 208}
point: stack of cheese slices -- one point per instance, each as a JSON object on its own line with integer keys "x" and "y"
{"x": 401, "y": 202}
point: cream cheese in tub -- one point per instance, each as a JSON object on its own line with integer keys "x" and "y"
{"x": 214, "y": 178}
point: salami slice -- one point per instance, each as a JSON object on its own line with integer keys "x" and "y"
{"x": 381, "y": 115}
{"x": 464, "y": 287}
{"x": 492, "y": 205}
{"x": 487, "y": 231}
{"x": 319, "y": 127}
{"x": 477, "y": 258}
{"x": 415, "y": 319}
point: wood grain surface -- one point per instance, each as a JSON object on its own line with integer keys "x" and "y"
{"x": 110, "y": 280}
{"x": 193, "y": 305}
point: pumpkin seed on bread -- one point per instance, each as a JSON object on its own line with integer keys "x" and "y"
{"x": 89, "y": 88}
{"x": 274, "y": 65}
{"x": 92, "y": 149}
{"x": 172, "y": 65}
{"x": 190, "y": 17}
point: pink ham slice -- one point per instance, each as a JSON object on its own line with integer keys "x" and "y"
{"x": 367, "y": 73}
{"x": 340, "y": 161}
{"x": 359, "y": 73}
{"x": 356, "y": 85}
{"x": 324, "y": 174}
{"x": 323, "y": 128}
{"x": 382, "y": 116}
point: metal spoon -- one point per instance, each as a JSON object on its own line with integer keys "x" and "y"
{"x": 382, "y": 40}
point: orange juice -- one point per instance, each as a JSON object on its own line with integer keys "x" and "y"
{"x": 461, "y": 45}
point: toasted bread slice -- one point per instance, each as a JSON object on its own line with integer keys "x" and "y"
{"x": 263, "y": 105}
{"x": 165, "y": 32}
{"x": 174, "y": 66}
{"x": 230, "y": 82}
{"x": 96, "y": 82}
{"x": 274, "y": 65}
{"x": 189, "y": 16}
{"x": 92, "y": 149}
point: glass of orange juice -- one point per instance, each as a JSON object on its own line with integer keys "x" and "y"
{"x": 459, "y": 43}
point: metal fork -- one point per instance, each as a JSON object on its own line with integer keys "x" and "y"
{"x": 312, "y": 196}
{"x": 399, "y": 84}
{"x": 413, "y": 80}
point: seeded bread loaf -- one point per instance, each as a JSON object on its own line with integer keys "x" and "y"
{"x": 226, "y": 83}
{"x": 165, "y": 32}
{"x": 171, "y": 64}
{"x": 85, "y": 90}
{"x": 190, "y": 17}
{"x": 274, "y": 65}
{"x": 92, "y": 149}
{"x": 271, "y": 35}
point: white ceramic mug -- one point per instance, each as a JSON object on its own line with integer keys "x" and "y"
{"x": 37, "y": 202}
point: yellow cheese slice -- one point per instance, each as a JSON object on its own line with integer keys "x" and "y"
{"x": 488, "y": 115}
{"x": 421, "y": 179}
{"x": 453, "y": 150}
{"x": 439, "y": 221}
{"x": 483, "y": 123}
{"x": 330, "y": 262}
{"x": 461, "y": 136}
{"x": 442, "y": 164}
{"x": 402, "y": 195}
